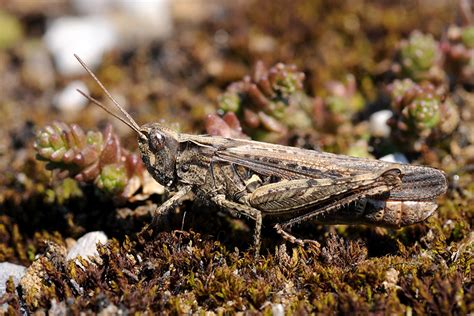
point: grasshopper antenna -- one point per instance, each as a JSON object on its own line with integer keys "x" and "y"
{"x": 97, "y": 102}
{"x": 130, "y": 122}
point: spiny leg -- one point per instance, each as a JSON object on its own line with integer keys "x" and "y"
{"x": 176, "y": 199}
{"x": 314, "y": 216}
{"x": 319, "y": 197}
{"x": 248, "y": 211}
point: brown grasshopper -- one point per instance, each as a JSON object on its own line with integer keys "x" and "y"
{"x": 285, "y": 185}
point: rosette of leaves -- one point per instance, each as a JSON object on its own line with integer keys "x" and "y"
{"x": 420, "y": 58}
{"x": 226, "y": 126}
{"x": 420, "y": 112}
{"x": 94, "y": 157}
{"x": 341, "y": 102}
{"x": 458, "y": 48}
{"x": 268, "y": 102}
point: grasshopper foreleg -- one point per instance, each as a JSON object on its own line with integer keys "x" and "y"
{"x": 182, "y": 195}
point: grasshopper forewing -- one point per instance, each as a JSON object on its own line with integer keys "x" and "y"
{"x": 285, "y": 185}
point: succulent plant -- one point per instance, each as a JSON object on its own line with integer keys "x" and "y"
{"x": 271, "y": 106}
{"x": 94, "y": 157}
{"x": 420, "y": 111}
{"x": 112, "y": 178}
{"x": 227, "y": 126}
{"x": 417, "y": 106}
{"x": 420, "y": 55}
{"x": 423, "y": 112}
{"x": 458, "y": 48}
{"x": 68, "y": 147}
{"x": 343, "y": 99}
{"x": 269, "y": 101}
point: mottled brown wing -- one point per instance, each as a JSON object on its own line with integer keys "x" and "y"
{"x": 419, "y": 183}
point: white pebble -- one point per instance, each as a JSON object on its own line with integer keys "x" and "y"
{"x": 143, "y": 20}
{"x": 86, "y": 246}
{"x": 278, "y": 310}
{"x": 378, "y": 123}
{"x": 395, "y": 157}
{"x": 92, "y": 6}
{"x": 69, "y": 100}
{"x": 89, "y": 37}
{"x": 8, "y": 269}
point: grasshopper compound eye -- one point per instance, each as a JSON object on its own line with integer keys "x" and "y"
{"x": 157, "y": 141}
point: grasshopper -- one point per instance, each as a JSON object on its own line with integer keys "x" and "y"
{"x": 285, "y": 185}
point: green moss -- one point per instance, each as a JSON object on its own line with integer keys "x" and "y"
{"x": 63, "y": 191}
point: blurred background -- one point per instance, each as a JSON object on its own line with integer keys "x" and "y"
{"x": 171, "y": 59}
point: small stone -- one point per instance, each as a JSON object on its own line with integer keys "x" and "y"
{"x": 92, "y": 6}
{"x": 391, "y": 279}
{"x": 57, "y": 308}
{"x": 378, "y": 123}
{"x": 260, "y": 43}
{"x": 110, "y": 310}
{"x": 194, "y": 11}
{"x": 37, "y": 71}
{"x": 69, "y": 100}
{"x": 32, "y": 282}
{"x": 134, "y": 21}
{"x": 143, "y": 20}
{"x": 278, "y": 310}
{"x": 395, "y": 157}
{"x": 86, "y": 246}
{"x": 8, "y": 269}
{"x": 89, "y": 37}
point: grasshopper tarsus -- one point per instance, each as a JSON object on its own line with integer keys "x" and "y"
{"x": 295, "y": 240}
{"x": 287, "y": 236}
{"x": 285, "y": 184}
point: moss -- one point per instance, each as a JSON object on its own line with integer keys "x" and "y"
{"x": 184, "y": 272}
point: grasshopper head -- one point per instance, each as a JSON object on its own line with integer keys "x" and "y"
{"x": 159, "y": 146}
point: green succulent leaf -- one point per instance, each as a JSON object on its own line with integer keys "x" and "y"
{"x": 112, "y": 178}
